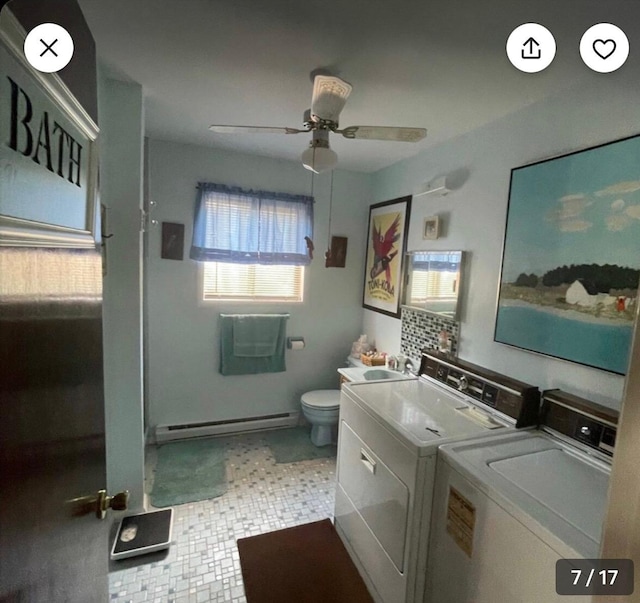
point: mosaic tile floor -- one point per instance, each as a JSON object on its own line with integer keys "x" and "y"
{"x": 202, "y": 563}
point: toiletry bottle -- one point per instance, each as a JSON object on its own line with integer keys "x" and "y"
{"x": 444, "y": 344}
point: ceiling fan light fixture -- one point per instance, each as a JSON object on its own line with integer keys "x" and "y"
{"x": 330, "y": 94}
{"x": 319, "y": 157}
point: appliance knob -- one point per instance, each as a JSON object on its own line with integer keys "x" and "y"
{"x": 463, "y": 383}
{"x": 585, "y": 430}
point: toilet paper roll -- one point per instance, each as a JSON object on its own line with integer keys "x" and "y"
{"x": 297, "y": 344}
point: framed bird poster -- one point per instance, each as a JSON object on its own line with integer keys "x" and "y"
{"x": 386, "y": 242}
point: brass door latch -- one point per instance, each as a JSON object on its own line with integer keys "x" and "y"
{"x": 99, "y": 503}
{"x": 119, "y": 502}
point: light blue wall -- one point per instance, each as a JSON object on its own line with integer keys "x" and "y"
{"x": 121, "y": 121}
{"x": 604, "y": 109}
{"x": 182, "y": 343}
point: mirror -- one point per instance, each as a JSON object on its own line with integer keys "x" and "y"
{"x": 432, "y": 281}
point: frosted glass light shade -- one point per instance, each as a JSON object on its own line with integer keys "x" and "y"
{"x": 319, "y": 159}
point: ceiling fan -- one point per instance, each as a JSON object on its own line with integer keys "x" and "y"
{"x": 330, "y": 94}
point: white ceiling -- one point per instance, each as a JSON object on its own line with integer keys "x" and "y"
{"x": 438, "y": 64}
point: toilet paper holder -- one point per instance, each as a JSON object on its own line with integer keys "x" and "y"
{"x": 295, "y": 343}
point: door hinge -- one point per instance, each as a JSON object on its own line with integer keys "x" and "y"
{"x": 145, "y": 217}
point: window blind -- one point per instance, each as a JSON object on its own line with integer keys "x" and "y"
{"x": 252, "y": 282}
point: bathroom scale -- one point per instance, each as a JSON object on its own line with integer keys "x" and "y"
{"x": 143, "y": 533}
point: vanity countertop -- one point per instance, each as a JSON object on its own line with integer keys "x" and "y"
{"x": 372, "y": 373}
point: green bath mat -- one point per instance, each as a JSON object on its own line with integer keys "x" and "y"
{"x": 189, "y": 471}
{"x": 294, "y": 444}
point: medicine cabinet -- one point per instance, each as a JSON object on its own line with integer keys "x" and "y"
{"x": 432, "y": 282}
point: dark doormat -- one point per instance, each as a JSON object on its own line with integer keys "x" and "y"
{"x": 305, "y": 564}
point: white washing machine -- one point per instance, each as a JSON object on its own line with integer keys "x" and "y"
{"x": 388, "y": 439}
{"x": 507, "y": 508}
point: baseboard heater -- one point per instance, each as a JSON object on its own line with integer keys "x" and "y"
{"x": 230, "y": 426}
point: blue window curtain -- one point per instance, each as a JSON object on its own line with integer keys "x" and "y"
{"x": 251, "y": 227}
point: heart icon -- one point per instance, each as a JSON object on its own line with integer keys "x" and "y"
{"x": 604, "y": 48}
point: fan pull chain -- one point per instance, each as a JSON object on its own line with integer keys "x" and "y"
{"x": 330, "y": 211}
{"x": 308, "y": 241}
{"x": 327, "y": 256}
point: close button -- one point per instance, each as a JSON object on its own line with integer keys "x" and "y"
{"x": 48, "y": 47}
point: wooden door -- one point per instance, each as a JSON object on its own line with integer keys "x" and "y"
{"x": 51, "y": 429}
{"x": 52, "y": 444}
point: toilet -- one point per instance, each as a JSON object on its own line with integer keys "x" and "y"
{"x": 321, "y": 407}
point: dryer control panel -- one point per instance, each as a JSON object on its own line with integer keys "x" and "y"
{"x": 515, "y": 399}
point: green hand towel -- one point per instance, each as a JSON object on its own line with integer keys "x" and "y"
{"x": 230, "y": 364}
{"x": 255, "y": 335}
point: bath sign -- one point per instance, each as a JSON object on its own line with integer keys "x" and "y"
{"x": 48, "y": 154}
{"x": 386, "y": 242}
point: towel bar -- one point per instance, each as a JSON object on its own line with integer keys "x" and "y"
{"x": 243, "y": 315}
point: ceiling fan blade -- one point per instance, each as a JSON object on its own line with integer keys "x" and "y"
{"x": 253, "y": 130}
{"x": 330, "y": 94}
{"x": 384, "y": 133}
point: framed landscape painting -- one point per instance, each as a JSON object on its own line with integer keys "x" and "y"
{"x": 386, "y": 242}
{"x": 571, "y": 258}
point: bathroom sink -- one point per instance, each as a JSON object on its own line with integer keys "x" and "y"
{"x": 376, "y": 374}
{"x": 366, "y": 373}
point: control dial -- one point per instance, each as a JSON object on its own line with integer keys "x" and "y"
{"x": 463, "y": 383}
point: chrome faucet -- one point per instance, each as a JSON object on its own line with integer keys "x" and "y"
{"x": 408, "y": 367}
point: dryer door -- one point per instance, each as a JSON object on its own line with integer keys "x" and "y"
{"x": 377, "y": 494}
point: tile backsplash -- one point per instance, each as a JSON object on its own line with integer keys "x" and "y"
{"x": 421, "y": 329}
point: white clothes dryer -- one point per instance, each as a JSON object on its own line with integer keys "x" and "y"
{"x": 388, "y": 440}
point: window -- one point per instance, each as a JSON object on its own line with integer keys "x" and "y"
{"x": 241, "y": 282}
{"x": 251, "y": 243}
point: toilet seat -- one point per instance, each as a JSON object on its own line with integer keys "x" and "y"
{"x": 326, "y": 399}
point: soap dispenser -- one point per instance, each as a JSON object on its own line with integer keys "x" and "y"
{"x": 444, "y": 342}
